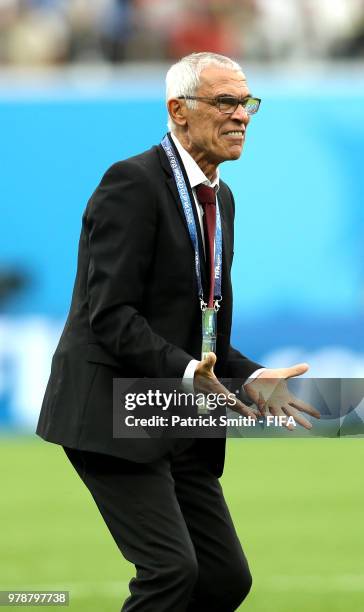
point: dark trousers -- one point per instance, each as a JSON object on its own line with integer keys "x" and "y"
{"x": 169, "y": 518}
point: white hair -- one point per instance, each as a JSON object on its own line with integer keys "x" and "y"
{"x": 183, "y": 78}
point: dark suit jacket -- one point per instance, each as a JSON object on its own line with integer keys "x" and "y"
{"x": 135, "y": 310}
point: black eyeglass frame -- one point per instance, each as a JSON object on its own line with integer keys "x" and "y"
{"x": 220, "y": 100}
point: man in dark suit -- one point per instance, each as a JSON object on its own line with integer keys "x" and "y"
{"x": 136, "y": 312}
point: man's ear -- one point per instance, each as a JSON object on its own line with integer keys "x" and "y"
{"x": 177, "y": 111}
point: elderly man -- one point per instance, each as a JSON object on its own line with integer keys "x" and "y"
{"x": 155, "y": 250}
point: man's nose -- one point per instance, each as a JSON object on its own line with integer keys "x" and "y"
{"x": 241, "y": 114}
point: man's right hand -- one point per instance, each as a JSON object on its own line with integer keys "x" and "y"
{"x": 206, "y": 382}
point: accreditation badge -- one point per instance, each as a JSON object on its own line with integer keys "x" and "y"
{"x": 208, "y": 332}
{"x": 208, "y": 342}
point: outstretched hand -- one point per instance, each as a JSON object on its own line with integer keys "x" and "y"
{"x": 206, "y": 382}
{"x": 270, "y": 393}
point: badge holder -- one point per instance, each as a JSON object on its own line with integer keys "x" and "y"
{"x": 209, "y": 317}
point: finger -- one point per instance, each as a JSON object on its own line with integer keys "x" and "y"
{"x": 296, "y": 370}
{"x": 213, "y": 386}
{"x": 304, "y": 407}
{"x": 238, "y": 406}
{"x": 277, "y": 411}
{"x": 209, "y": 361}
{"x": 290, "y": 411}
{"x": 205, "y": 368}
{"x": 244, "y": 410}
{"x": 252, "y": 393}
{"x": 261, "y": 404}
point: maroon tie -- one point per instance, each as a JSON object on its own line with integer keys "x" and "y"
{"x": 206, "y": 197}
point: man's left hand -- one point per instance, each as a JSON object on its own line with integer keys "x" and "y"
{"x": 270, "y": 393}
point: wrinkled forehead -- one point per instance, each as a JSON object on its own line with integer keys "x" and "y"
{"x": 215, "y": 80}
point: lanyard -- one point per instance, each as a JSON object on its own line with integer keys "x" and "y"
{"x": 190, "y": 220}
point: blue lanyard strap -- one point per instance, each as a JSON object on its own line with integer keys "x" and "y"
{"x": 190, "y": 220}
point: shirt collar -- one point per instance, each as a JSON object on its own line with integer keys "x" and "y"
{"x": 193, "y": 170}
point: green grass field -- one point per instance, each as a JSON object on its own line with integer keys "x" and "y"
{"x": 298, "y": 506}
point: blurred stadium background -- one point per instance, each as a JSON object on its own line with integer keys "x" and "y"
{"x": 81, "y": 86}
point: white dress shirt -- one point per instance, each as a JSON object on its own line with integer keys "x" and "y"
{"x": 196, "y": 177}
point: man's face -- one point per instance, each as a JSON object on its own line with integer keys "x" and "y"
{"x": 209, "y": 132}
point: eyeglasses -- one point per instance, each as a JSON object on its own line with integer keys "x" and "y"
{"x": 227, "y": 105}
